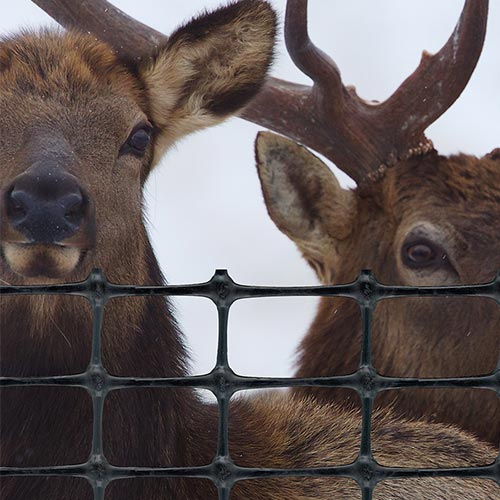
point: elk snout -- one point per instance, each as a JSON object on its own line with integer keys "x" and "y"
{"x": 46, "y": 205}
{"x": 47, "y": 223}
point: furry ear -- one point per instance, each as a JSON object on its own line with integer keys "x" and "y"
{"x": 210, "y": 68}
{"x": 303, "y": 197}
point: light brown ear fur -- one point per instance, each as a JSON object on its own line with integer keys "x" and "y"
{"x": 210, "y": 68}
{"x": 305, "y": 200}
{"x": 303, "y": 197}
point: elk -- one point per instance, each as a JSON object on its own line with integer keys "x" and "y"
{"x": 415, "y": 218}
{"x": 84, "y": 121}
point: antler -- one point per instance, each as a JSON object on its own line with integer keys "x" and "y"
{"x": 361, "y": 138}
{"x": 130, "y": 38}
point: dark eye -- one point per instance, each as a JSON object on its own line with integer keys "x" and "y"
{"x": 137, "y": 141}
{"x": 420, "y": 253}
{"x": 423, "y": 253}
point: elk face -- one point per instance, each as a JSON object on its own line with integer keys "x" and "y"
{"x": 68, "y": 108}
{"x": 83, "y": 126}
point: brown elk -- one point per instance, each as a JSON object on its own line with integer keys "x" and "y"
{"x": 82, "y": 124}
{"x": 415, "y": 218}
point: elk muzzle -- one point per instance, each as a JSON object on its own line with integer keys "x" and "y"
{"x": 45, "y": 205}
{"x": 47, "y": 222}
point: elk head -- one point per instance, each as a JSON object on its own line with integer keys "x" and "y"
{"x": 415, "y": 217}
{"x": 84, "y": 122}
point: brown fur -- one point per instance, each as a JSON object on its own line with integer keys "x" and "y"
{"x": 459, "y": 199}
{"x": 69, "y": 94}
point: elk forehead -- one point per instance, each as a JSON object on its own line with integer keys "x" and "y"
{"x": 65, "y": 94}
{"x": 63, "y": 65}
{"x": 460, "y": 178}
{"x": 65, "y": 85}
{"x": 462, "y": 188}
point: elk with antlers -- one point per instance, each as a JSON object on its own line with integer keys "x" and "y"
{"x": 415, "y": 218}
{"x": 83, "y": 122}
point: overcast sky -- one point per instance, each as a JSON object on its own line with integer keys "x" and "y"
{"x": 204, "y": 201}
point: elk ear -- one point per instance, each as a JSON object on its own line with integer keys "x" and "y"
{"x": 210, "y": 68}
{"x": 303, "y": 197}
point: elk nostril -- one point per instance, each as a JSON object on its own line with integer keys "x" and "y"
{"x": 17, "y": 206}
{"x": 74, "y": 208}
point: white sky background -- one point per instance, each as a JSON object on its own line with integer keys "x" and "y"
{"x": 204, "y": 200}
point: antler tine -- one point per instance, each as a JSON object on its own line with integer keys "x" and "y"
{"x": 324, "y": 117}
{"x": 307, "y": 57}
{"x": 439, "y": 79}
{"x": 299, "y": 111}
{"x": 129, "y": 37}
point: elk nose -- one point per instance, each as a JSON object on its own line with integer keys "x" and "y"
{"x": 45, "y": 206}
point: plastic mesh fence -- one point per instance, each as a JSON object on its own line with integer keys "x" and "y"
{"x": 223, "y": 382}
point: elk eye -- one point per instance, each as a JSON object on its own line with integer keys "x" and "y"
{"x": 137, "y": 141}
{"x": 423, "y": 253}
{"x": 420, "y": 253}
